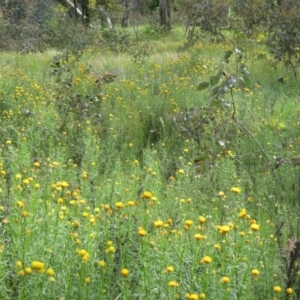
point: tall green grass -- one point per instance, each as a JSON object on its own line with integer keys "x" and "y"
{"x": 119, "y": 181}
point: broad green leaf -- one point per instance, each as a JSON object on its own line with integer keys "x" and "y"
{"x": 202, "y": 86}
{"x": 227, "y": 55}
{"x": 215, "y": 79}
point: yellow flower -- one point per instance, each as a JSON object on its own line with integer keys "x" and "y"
{"x": 199, "y": 237}
{"x": 21, "y": 273}
{"x": 19, "y": 264}
{"x": 221, "y": 194}
{"x": 192, "y": 296}
{"x": 181, "y": 171}
{"x": 124, "y": 272}
{"x": 169, "y": 269}
{"x": 224, "y": 229}
{"x": 243, "y": 213}
{"x": 206, "y": 260}
{"x": 38, "y": 266}
{"x": 111, "y": 249}
{"x": 24, "y": 213}
{"x": 84, "y": 254}
{"x": 289, "y": 291}
{"x": 50, "y": 272}
{"x": 142, "y": 231}
{"x": 28, "y": 270}
{"x": 277, "y": 289}
{"x": 101, "y": 263}
{"x": 173, "y": 283}
{"x": 255, "y": 272}
{"x": 146, "y": 195}
{"x": 189, "y": 223}
{"x": 254, "y": 227}
{"x": 158, "y": 224}
{"x": 225, "y": 279}
{"x": 236, "y": 190}
{"x": 87, "y": 280}
{"x": 26, "y": 181}
{"x": 119, "y": 205}
{"x": 202, "y": 296}
{"x": 217, "y": 247}
{"x": 201, "y": 220}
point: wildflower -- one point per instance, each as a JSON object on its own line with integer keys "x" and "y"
{"x": 221, "y": 194}
{"x": 21, "y": 204}
{"x": 255, "y": 272}
{"x": 38, "y": 266}
{"x": 111, "y": 249}
{"x": 50, "y": 272}
{"x": 201, "y": 220}
{"x": 101, "y": 263}
{"x": 243, "y": 213}
{"x": 158, "y": 224}
{"x": 192, "y": 296}
{"x": 189, "y": 223}
{"x": 277, "y": 289}
{"x": 84, "y": 254}
{"x": 181, "y": 171}
{"x": 199, "y": 237}
{"x": 21, "y": 273}
{"x": 119, "y": 205}
{"x": 173, "y": 283}
{"x": 142, "y": 231}
{"x": 26, "y": 181}
{"x": 254, "y": 227}
{"x": 19, "y": 264}
{"x": 217, "y": 247}
{"x": 146, "y": 195}
{"x": 206, "y": 260}
{"x": 124, "y": 272}
{"x": 236, "y": 190}
{"x": 289, "y": 291}
{"x": 28, "y": 270}
{"x": 224, "y": 229}
{"x": 87, "y": 280}
{"x": 225, "y": 279}
{"x": 202, "y": 296}
{"x": 169, "y": 269}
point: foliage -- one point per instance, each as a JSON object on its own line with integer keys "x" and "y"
{"x": 132, "y": 170}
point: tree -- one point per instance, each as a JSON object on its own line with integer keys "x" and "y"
{"x": 125, "y": 19}
{"x": 165, "y": 14}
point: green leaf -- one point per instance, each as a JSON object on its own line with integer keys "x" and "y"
{"x": 215, "y": 79}
{"x": 281, "y": 125}
{"x": 227, "y": 55}
{"x": 200, "y": 158}
{"x": 246, "y": 76}
{"x": 202, "y": 86}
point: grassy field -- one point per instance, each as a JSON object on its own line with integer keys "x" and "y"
{"x": 157, "y": 174}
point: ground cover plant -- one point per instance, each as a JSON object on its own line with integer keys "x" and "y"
{"x": 159, "y": 173}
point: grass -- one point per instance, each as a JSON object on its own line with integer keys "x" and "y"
{"x": 120, "y": 181}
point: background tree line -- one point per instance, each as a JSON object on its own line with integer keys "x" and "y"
{"x": 36, "y": 24}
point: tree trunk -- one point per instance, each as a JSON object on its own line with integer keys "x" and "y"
{"x": 125, "y": 19}
{"x": 165, "y": 14}
{"x": 85, "y": 12}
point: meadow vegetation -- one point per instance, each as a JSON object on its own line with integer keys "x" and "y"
{"x": 161, "y": 172}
